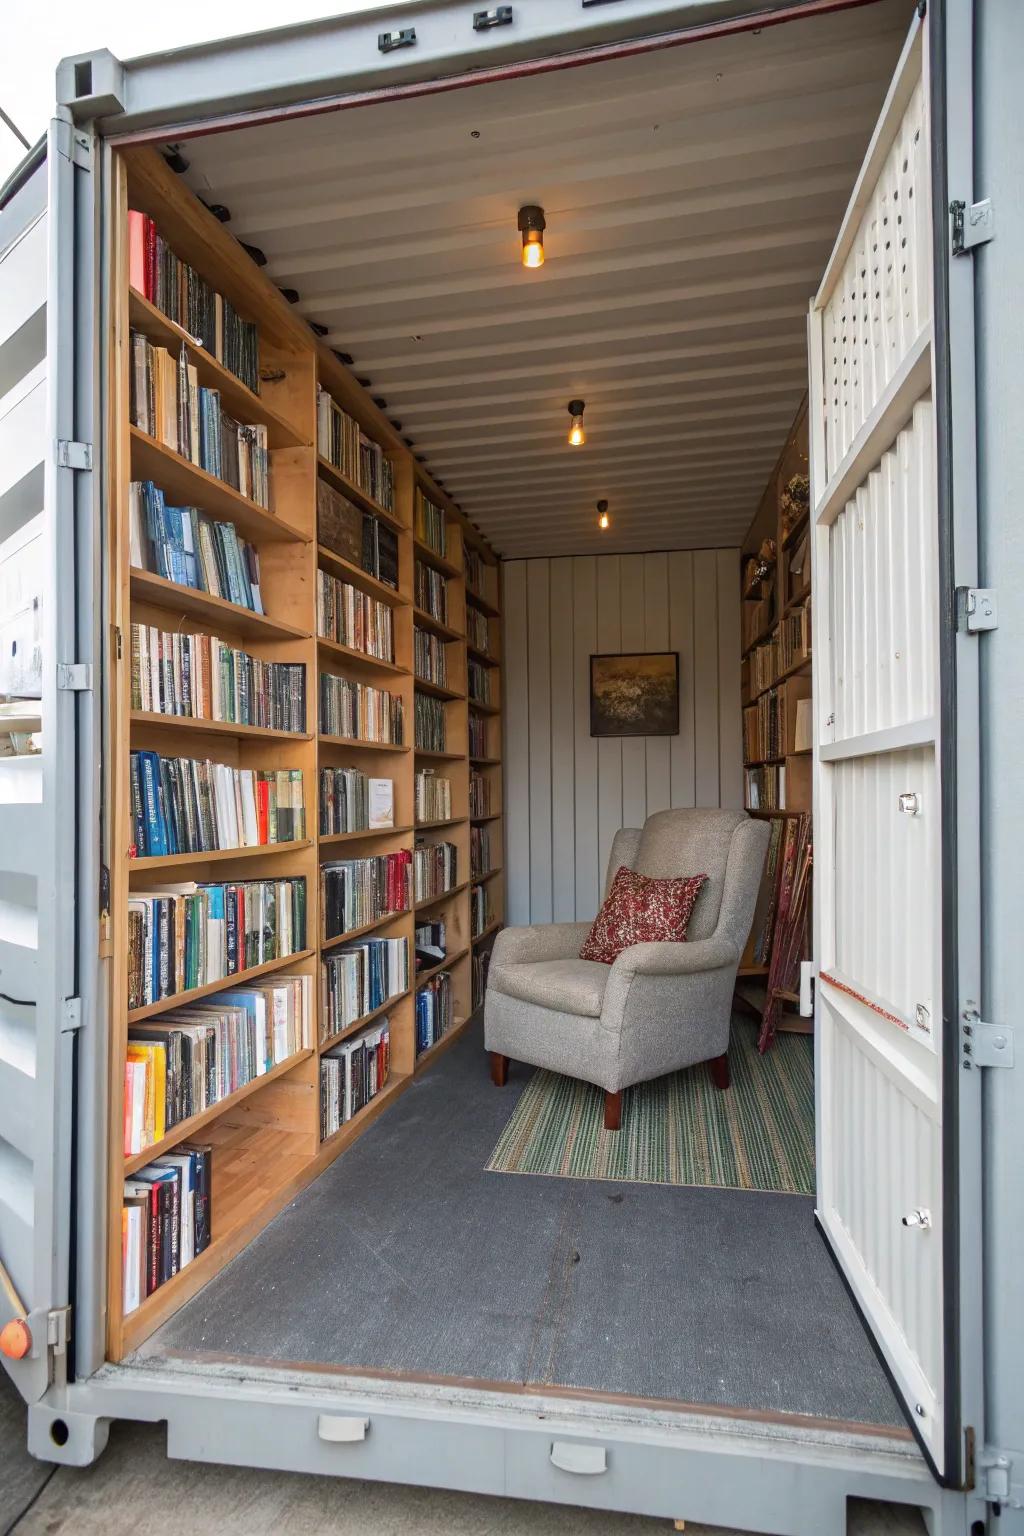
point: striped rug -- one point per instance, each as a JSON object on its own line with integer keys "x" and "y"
{"x": 758, "y": 1134}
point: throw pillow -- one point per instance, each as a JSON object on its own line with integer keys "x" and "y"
{"x": 641, "y": 910}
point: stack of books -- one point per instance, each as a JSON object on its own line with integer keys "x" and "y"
{"x": 352, "y": 802}
{"x": 191, "y": 805}
{"x": 430, "y": 658}
{"x": 359, "y": 978}
{"x": 343, "y": 444}
{"x": 431, "y": 592}
{"x": 188, "y": 935}
{"x": 166, "y": 1220}
{"x": 431, "y": 734}
{"x": 351, "y": 1074}
{"x": 354, "y": 892}
{"x": 359, "y": 712}
{"x": 201, "y": 677}
{"x": 183, "y": 545}
{"x": 433, "y": 797}
{"x": 435, "y": 867}
{"x": 430, "y": 524}
{"x": 435, "y": 1011}
{"x": 350, "y": 617}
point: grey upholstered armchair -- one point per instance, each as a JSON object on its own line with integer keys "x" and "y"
{"x": 659, "y": 1007}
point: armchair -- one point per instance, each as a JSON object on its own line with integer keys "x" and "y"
{"x": 659, "y": 1007}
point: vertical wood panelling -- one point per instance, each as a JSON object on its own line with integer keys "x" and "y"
{"x": 563, "y": 730}
{"x": 567, "y": 793}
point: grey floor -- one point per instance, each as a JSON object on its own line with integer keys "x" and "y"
{"x": 406, "y": 1255}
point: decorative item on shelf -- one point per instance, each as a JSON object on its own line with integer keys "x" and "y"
{"x": 532, "y": 225}
{"x": 577, "y": 434}
{"x": 758, "y": 568}
{"x": 794, "y": 502}
{"x": 635, "y": 694}
{"x": 603, "y": 520}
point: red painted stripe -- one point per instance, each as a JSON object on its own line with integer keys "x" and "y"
{"x": 859, "y": 997}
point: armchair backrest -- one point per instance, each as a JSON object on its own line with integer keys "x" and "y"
{"x": 728, "y": 846}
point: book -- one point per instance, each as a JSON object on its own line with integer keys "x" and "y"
{"x": 350, "y": 617}
{"x": 381, "y": 803}
{"x": 201, "y": 677}
{"x": 435, "y": 869}
{"x": 430, "y": 524}
{"x": 362, "y": 713}
{"x": 479, "y": 793}
{"x": 166, "y": 1220}
{"x": 354, "y": 892}
{"x": 481, "y": 913}
{"x": 430, "y": 591}
{"x": 431, "y": 723}
{"x": 352, "y": 1074}
{"x": 184, "y": 545}
{"x": 435, "y": 1011}
{"x": 433, "y": 795}
{"x": 360, "y": 978}
{"x": 431, "y": 944}
{"x": 192, "y": 805}
{"x": 481, "y": 861}
{"x": 430, "y": 658}
{"x": 342, "y": 443}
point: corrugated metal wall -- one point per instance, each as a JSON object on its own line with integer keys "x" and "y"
{"x": 567, "y": 793}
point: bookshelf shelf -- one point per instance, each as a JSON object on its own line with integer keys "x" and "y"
{"x": 238, "y": 400}
{"x": 188, "y": 485}
{"x": 226, "y": 983}
{"x": 265, "y": 1138}
{"x": 484, "y": 709}
{"x": 355, "y": 493}
{"x": 357, "y": 577}
{"x": 202, "y": 727}
{"x": 186, "y": 1129}
{"x": 488, "y": 875}
{"x": 147, "y": 587}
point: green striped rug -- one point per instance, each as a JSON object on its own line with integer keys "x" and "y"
{"x": 680, "y": 1129}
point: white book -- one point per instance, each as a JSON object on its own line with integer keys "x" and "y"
{"x": 135, "y": 522}
{"x": 132, "y": 1257}
{"x": 381, "y": 793}
{"x": 250, "y": 821}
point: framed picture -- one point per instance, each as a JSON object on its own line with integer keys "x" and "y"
{"x": 635, "y": 695}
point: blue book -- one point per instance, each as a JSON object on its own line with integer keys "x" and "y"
{"x": 154, "y": 840}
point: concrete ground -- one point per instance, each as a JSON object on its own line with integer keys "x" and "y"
{"x": 133, "y": 1486}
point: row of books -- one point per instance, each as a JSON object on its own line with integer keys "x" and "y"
{"x": 192, "y": 805}
{"x": 433, "y": 797}
{"x": 476, "y": 572}
{"x": 185, "y": 296}
{"x": 764, "y": 664}
{"x": 186, "y": 1061}
{"x": 169, "y": 404}
{"x": 343, "y": 444}
{"x": 478, "y": 735}
{"x": 430, "y": 658}
{"x": 183, "y": 545}
{"x": 479, "y": 793}
{"x": 435, "y": 1011}
{"x": 480, "y": 862}
{"x": 359, "y": 978}
{"x": 763, "y": 728}
{"x": 354, "y": 892}
{"x": 478, "y": 631}
{"x": 479, "y": 966}
{"x": 360, "y": 712}
{"x": 350, "y": 617}
{"x": 430, "y": 524}
{"x": 764, "y": 787}
{"x": 351, "y": 1074}
{"x": 201, "y": 677}
{"x": 481, "y": 911}
{"x": 435, "y": 869}
{"x": 356, "y": 536}
{"x": 430, "y": 941}
{"x": 794, "y": 636}
{"x": 431, "y": 727}
{"x": 479, "y": 682}
{"x": 166, "y": 1220}
{"x": 189, "y": 935}
{"x": 431, "y": 591}
{"x": 350, "y": 801}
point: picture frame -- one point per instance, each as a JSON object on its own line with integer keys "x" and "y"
{"x": 634, "y": 693}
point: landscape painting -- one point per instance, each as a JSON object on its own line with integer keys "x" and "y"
{"x": 635, "y": 695}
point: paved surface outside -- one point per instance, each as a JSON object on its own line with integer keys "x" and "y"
{"x": 133, "y": 1488}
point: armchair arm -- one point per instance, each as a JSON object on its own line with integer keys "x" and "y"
{"x": 676, "y": 959}
{"x": 541, "y": 941}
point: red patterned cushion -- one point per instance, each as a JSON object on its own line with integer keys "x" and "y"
{"x": 639, "y": 910}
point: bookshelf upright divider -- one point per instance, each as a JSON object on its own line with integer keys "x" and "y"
{"x": 266, "y": 1134}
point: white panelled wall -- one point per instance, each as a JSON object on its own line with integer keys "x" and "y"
{"x": 566, "y": 792}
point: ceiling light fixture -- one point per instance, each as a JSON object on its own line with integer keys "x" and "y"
{"x": 603, "y": 520}
{"x": 532, "y": 225}
{"x": 577, "y": 436}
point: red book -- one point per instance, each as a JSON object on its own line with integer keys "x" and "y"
{"x": 262, "y": 810}
{"x": 137, "y": 250}
{"x": 149, "y": 243}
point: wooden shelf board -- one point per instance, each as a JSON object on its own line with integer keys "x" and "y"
{"x": 425, "y": 620}
{"x": 349, "y": 488}
{"x": 439, "y": 562}
{"x": 483, "y": 603}
{"x": 792, "y": 671}
{"x": 357, "y": 933}
{"x": 337, "y": 565}
{"x": 797, "y": 598}
{"x": 148, "y": 587}
{"x": 214, "y": 727}
{"x": 226, "y": 983}
{"x": 237, "y": 398}
{"x": 486, "y": 762}
{"x": 216, "y": 855}
{"x": 331, "y": 839}
{"x": 484, "y": 709}
{"x": 424, "y": 1060}
{"x": 483, "y": 657}
{"x": 485, "y": 933}
{"x": 488, "y": 875}
{"x": 361, "y": 658}
{"x": 357, "y": 741}
{"x": 751, "y": 971}
{"x": 491, "y": 816}
{"x": 441, "y": 757}
{"x": 185, "y": 484}
{"x": 357, "y": 1024}
{"x": 432, "y": 901}
{"x": 444, "y": 821}
{"x": 760, "y": 639}
{"x": 443, "y": 965}
{"x": 186, "y": 1129}
{"x": 437, "y": 690}
{"x": 793, "y": 536}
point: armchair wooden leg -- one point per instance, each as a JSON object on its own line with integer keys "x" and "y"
{"x": 612, "y": 1110}
{"x": 499, "y": 1069}
{"x": 720, "y": 1071}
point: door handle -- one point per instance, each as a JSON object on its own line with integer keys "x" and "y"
{"x": 584, "y": 1460}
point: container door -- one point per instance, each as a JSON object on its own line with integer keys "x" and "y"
{"x": 45, "y": 448}
{"x": 887, "y": 1186}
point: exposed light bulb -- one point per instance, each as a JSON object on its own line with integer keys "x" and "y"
{"x": 577, "y": 436}
{"x": 532, "y": 225}
{"x": 603, "y": 520}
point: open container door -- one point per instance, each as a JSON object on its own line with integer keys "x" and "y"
{"x": 47, "y": 315}
{"x": 888, "y": 1081}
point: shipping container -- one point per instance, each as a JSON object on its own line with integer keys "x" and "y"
{"x": 285, "y": 279}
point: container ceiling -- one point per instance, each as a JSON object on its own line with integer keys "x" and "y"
{"x": 692, "y": 197}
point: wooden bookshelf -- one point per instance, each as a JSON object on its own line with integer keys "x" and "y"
{"x": 266, "y": 1135}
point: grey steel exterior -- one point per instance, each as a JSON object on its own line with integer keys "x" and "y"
{"x": 719, "y": 1470}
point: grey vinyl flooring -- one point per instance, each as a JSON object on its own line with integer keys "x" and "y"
{"x": 407, "y": 1256}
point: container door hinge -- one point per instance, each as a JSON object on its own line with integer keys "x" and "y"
{"x": 997, "y": 1484}
{"x": 976, "y": 609}
{"x": 808, "y": 971}
{"x": 387, "y": 42}
{"x": 72, "y": 1019}
{"x": 58, "y": 1329}
{"x": 984, "y": 1045}
{"x": 973, "y": 225}
{"x": 74, "y": 676}
{"x": 72, "y": 455}
{"x": 498, "y": 16}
